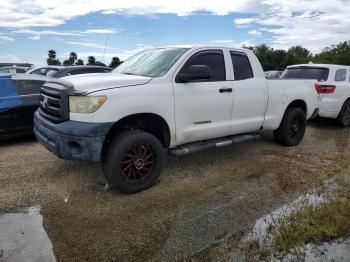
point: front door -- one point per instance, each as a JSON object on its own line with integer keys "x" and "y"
{"x": 203, "y": 107}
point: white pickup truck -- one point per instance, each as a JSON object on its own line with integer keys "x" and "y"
{"x": 333, "y": 88}
{"x": 175, "y": 99}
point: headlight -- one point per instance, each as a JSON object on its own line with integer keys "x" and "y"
{"x": 85, "y": 104}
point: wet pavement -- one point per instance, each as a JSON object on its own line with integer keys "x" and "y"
{"x": 23, "y": 238}
{"x": 202, "y": 200}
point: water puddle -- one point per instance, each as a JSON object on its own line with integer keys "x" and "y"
{"x": 260, "y": 231}
{"x": 23, "y": 238}
{"x": 338, "y": 250}
{"x": 335, "y": 251}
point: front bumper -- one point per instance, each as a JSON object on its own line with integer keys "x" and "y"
{"x": 71, "y": 139}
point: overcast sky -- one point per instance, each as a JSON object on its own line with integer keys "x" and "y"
{"x": 29, "y": 28}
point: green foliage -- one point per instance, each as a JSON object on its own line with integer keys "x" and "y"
{"x": 277, "y": 59}
{"x": 52, "y": 60}
{"x": 314, "y": 225}
{"x": 72, "y": 59}
{"x": 91, "y": 60}
{"x": 115, "y": 62}
{"x": 339, "y": 54}
{"x": 79, "y": 62}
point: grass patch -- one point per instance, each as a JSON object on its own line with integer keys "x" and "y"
{"x": 318, "y": 224}
{"x": 311, "y": 224}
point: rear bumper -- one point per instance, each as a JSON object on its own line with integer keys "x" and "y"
{"x": 71, "y": 139}
{"x": 328, "y": 114}
{"x": 315, "y": 113}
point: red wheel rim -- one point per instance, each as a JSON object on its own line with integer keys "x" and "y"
{"x": 137, "y": 164}
{"x": 295, "y": 127}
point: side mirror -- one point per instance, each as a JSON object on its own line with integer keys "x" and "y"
{"x": 193, "y": 73}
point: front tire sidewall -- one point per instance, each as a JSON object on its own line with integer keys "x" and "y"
{"x": 117, "y": 150}
{"x": 340, "y": 119}
{"x": 282, "y": 135}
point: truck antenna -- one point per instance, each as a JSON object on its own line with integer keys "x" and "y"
{"x": 104, "y": 50}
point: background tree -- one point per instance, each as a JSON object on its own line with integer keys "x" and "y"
{"x": 115, "y": 62}
{"x": 91, "y": 60}
{"x": 79, "y": 62}
{"x": 52, "y": 60}
{"x": 72, "y": 59}
{"x": 297, "y": 55}
{"x": 336, "y": 54}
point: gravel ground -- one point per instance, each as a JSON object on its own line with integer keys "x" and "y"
{"x": 200, "y": 201}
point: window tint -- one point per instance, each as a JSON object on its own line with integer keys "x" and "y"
{"x": 40, "y": 71}
{"x": 4, "y": 71}
{"x": 241, "y": 66}
{"x": 20, "y": 70}
{"x": 76, "y": 72}
{"x": 321, "y": 74}
{"x": 214, "y": 60}
{"x": 94, "y": 70}
{"x": 26, "y": 87}
{"x": 340, "y": 75}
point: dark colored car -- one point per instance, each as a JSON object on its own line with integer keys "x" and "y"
{"x": 62, "y": 71}
{"x": 19, "y": 99}
{"x": 13, "y": 70}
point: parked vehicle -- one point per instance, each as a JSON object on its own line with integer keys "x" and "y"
{"x": 13, "y": 70}
{"x": 273, "y": 74}
{"x": 174, "y": 99}
{"x": 62, "y": 71}
{"x": 19, "y": 99}
{"x": 333, "y": 88}
{"x": 24, "y": 65}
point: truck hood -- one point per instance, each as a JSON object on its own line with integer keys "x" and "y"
{"x": 88, "y": 83}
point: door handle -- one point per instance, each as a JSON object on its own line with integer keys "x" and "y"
{"x": 225, "y": 90}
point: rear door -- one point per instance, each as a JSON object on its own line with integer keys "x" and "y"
{"x": 203, "y": 107}
{"x": 250, "y": 95}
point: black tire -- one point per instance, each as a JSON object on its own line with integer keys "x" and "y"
{"x": 133, "y": 162}
{"x": 292, "y": 127}
{"x": 343, "y": 118}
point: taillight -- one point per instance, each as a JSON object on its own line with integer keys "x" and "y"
{"x": 325, "y": 89}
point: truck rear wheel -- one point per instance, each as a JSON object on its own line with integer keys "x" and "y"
{"x": 133, "y": 162}
{"x": 292, "y": 128}
{"x": 343, "y": 118}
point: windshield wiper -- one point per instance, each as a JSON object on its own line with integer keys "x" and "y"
{"x": 127, "y": 73}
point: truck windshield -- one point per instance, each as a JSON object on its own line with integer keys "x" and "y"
{"x": 321, "y": 74}
{"x": 151, "y": 63}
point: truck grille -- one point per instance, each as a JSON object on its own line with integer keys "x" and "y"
{"x": 54, "y": 102}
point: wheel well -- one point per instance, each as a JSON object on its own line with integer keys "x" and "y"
{"x": 151, "y": 123}
{"x": 299, "y": 103}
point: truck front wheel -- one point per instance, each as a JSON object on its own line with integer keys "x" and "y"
{"x": 133, "y": 162}
{"x": 292, "y": 127}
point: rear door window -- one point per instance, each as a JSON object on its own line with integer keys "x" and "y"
{"x": 340, "y": 75}
{"x": 318, "y": 73}
{"x": 241, "y": 66}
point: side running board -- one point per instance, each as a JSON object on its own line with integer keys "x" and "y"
{"x": 204, "y": 145}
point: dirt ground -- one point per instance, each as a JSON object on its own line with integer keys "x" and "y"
{"x": 201, "y": 200}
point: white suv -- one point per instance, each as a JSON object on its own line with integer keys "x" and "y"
{"x": 333, "y": 87}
